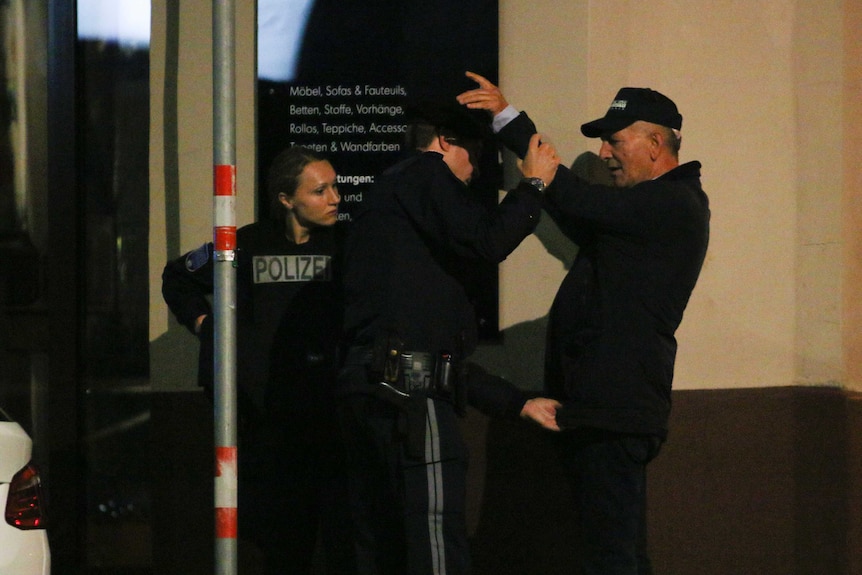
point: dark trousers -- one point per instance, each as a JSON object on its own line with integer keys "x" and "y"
{"x": 607, "y": 474}
{"x": 293, "y": 495}
{"x": 408, "y": 509}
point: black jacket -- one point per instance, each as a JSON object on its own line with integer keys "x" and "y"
{"x": 611, "y": 346}
{"x": 409, "y": 255}
{"x": 289, "y": 314}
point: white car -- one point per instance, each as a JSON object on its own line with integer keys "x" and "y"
{"x": 23, "y": 540}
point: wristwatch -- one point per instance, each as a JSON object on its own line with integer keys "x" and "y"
{"x": 537, "y": 183}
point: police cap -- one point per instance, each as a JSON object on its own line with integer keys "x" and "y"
{"x": 446, "y": 114}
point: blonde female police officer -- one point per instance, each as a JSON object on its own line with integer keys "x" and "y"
{"x": 288, "y": 326}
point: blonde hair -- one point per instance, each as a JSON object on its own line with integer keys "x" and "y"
{"x": 284, "y": 173}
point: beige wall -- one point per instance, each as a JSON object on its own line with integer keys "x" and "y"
{"x": 771, "y": 109}
{"x": 181, "y": 158}
{"x": 851, "y": 140}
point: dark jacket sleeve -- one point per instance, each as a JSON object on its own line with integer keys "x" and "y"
{"x": 440, "y": 208}
{"x": 491, "y": 394}
{"x": 516, "y": 134}
{"x": 186, "y": 284}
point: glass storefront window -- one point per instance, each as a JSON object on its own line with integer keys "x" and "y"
{"x": 113, "y": 120}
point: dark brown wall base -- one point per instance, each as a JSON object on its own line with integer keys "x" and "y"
{"x": 763, "y": 481}
{"x": 760, "y": 481}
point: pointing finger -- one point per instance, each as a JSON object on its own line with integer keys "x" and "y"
{"x": 481, "y": 80}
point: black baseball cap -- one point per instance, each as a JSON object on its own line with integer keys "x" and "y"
{"x": 448, "y": 114}
{"x": 631, "y": 105}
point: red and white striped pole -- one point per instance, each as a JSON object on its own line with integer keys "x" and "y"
{"x": 224, "y": 240}
{"x": 224, "y": 291}
{"x": 225, "y": 493}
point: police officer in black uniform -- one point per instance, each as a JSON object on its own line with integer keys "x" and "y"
{"x": 289, "y": 312}
{"x": 411, "y": 327}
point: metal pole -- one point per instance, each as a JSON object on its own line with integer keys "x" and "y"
{"x": 224, "y": 302}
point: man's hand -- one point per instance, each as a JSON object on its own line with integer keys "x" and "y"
{"x": 543, "y": 411}
{"x": 541, "y": 160}
{"x": 486, "y": 97}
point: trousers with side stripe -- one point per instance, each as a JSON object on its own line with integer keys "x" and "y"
{"x": 409, "y": 511}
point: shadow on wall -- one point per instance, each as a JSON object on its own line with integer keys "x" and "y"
{"x": 519, "y": 511}
{"x": 174, "y": 360}
{"x": 520, "y": 356}
{"x": 519, "y": 505}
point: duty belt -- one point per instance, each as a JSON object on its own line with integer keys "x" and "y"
{"x": 410, "y": 372}
{"x": 406, "y": 372}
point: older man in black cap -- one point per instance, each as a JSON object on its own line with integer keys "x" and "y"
{"x": 410, "y": 329}
{"x": 611, "y": 346}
